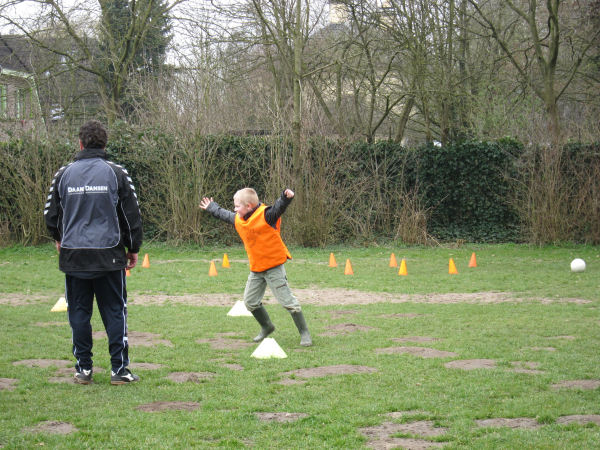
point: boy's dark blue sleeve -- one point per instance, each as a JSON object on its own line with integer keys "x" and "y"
{"x": 273, "y": 213}
{"x": 221, "y": 213}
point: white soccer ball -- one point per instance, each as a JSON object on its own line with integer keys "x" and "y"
{"x": 577, "y": 265}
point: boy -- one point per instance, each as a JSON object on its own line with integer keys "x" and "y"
{"x": 258, "y": 226}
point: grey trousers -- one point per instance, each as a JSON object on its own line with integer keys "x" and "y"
{"x": 276, "y": 279}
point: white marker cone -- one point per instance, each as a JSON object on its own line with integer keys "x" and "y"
{"x": 268, "y": 348}
{"x": 60, "y": 306}
{"x": 239, "y": 309}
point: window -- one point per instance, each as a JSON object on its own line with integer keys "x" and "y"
{"x": 22, "y": 101}
{"x": 3, "y": 101}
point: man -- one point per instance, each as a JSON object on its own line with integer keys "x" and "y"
{"x": 93, "y": 214}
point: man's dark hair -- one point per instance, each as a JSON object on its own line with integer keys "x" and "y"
{"x": 92, "y": 134}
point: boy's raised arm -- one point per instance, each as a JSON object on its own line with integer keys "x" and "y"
{"x": 273, "y": 213}
{"x": 209, "y": 205}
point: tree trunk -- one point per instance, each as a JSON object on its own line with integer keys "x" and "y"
{"x": 408, "y": 106}
{"x": 297, "y": 122}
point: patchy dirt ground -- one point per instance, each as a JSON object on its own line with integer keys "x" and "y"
{"x": 530, "y": 367}
{"x": 190, "y": 377}
{"x": 577, "y": 384}
{"x": 381, "y": 436}
{"x": 301, "y": 375}
{"x": 226, "y": 341}
{"x": 322, "y": 297}
{"x": 65, "y": 375}
{"x": 43, "y": 363}
{"x": 8, "y": 384}
{"x": 581, "y": 419}
{"x": 280, "y": 417}
{"x": 52, "y": 427}
{"x": 471, "y": 364}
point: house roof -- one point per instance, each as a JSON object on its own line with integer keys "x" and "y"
{"x": 15, "y": 53}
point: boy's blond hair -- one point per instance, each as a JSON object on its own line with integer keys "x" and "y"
{"x": 247, "y": 196}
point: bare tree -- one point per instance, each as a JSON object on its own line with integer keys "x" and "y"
{"x": 370, "y": 70}
{"x": 407, "y": 26}
{"x": 535, "y": 51}
{"x": 111, "y": 67}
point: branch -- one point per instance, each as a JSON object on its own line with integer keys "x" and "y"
{"x": 505, "y": 49}
{"x": 575, "y": 67}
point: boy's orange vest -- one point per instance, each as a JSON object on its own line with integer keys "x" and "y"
{"x": 263, "y": 243}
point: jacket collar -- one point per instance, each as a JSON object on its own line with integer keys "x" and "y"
{"x": 90, "y": 153}
{"x": 249, "y": 213}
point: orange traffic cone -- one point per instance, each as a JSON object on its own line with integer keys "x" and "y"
{"x": 452, "y": 268}
{"x": 127, "y": 273}
{"x": 402, "y": 270}
{"x": 348, "y": 270}
{"x": 225, "y": 260}
{"x": 212, "y": 271}
{"x": 332, "y": 262}
{"x": 473, "y": 262}
{"x": 146, "y": 262}
{"x": 393, "y": 262}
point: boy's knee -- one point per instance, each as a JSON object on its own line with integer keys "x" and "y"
{"x": 252, "y": 306}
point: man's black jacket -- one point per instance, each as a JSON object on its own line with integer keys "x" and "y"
{"x": 92, "y": 210}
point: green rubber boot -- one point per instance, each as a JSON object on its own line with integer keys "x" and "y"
{"x": 267, "y": 327}
{"x": 305, "y": 339}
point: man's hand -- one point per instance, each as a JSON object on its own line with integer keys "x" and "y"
{"x": 57, "y": 243}
{"x": 205, "y": 202}
{"x": 288, "y": 193}
{"x": 132, "y": 259}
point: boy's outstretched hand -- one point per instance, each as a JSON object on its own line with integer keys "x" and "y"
{"x": 288, "y": 193}
{"x": 206, "y": 201}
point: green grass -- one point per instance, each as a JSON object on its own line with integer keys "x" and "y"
{"x": 337, "y": 406}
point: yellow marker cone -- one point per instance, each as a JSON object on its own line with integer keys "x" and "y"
{"x": 348, "y": 270}
{"x": 452, "y": 268}
{"x": 60, "y": 306}
{"x": 393, "y": 262}
{"x": 402, "y": 270}
{"x": 225, "y": 260}
{"x": 212, "y": 271}
{"x": 146, "y": 262}
{"x": 473, "y": 261}
{"x": 127, "y": 272}
{"x": 332, "y": 262}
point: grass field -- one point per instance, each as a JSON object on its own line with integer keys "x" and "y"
{"x": 521, "y": 315}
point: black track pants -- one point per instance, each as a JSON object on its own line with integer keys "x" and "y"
{"x": 111, "y": 297}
